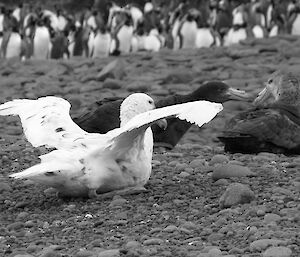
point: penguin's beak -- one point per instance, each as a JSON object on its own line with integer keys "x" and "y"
{"x": 163, "y": 124}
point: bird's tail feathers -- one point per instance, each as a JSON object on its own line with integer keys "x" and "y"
{"x": 48, "y": 168}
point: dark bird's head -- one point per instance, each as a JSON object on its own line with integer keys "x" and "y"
{"x": 282, "y": 88}
{"x": 219, "y": 92}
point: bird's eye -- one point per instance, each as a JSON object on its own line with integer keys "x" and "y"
{"x": 270, "y": 81}
{"x": 150, "y": 102}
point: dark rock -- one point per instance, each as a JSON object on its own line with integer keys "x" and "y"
{"x": 236, "y": 193}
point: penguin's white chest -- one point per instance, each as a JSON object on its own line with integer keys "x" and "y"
{"x": 296, "y": 26}
{"x": 41, "y": 43}
{"x": 188, "y": 33}
{"x": 13, "y": 48}
{"x": 101, "y": 45}
{"x": 125, "y": 36}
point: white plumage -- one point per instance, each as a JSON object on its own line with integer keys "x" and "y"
{"x": 90, "y": 163}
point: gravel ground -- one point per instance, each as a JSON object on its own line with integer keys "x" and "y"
{"x": 200, "y": 200}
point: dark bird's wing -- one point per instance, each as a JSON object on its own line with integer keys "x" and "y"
{"x": 102, "y": 117}
{"x": 260, "y": 130}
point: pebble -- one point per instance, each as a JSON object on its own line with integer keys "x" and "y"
{"x": 153, "y": 241}
{"x": 214, "y": 252}
{"x": 16, "y": 225}
{"x": 236, "y": 193}
{"x": 112, "y": 84}
{"x": 262, "y": 244}
{"x": 132, "y": 244}
{"x": 296, "y": 184}
{"x": 222, "y": 182}
{"x": 5, "y": 187}
{"x": 181, "y": 166}
{"x": 22, "y": 215}
{"x": 170, "y": 229}
{"x": 109, "y": 253}
{"x": 230, "y": 170}
{"x": 218, "y": 158}
{"x": 197, "y": 163}
{"x": 278, "y": 252}
{"x": 271, "y": 217}
{"x": 260, "y": 212}
{"x": 84, "y": 253}
{"x": 184, "y": 174}
{"x": 118, "y": 202}
{"x": 138, "y": 87}
{"x": 50, "y": 191}
{"x": 50, "y": 253}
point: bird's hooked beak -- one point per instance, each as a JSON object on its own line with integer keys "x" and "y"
{"x": 238, "y": 95}
{"x": 268, "y": 94}
{"x": 162, "y": 123}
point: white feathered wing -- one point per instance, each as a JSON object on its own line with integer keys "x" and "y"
{"x": 46, "y": 121}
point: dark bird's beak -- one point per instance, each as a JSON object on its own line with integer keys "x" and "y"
{"x": 163, "y": 124}
{"x": 238, "y": 95}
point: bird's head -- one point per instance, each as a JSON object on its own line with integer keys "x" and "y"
{"x": 219, "y": 92}
{"x": 282, "y": 88}
{"x": 135, "y": 104}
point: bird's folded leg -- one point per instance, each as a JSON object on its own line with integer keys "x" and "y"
{"x": 126, "y": 191}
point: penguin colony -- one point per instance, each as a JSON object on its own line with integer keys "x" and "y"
{"x": 37, "y": 32}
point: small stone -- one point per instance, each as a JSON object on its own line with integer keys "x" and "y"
{"x": 235, "y": 162}
{"x": 218, "y": 158}
{"x": 15, "y": 226}
{"x": 188, "y": 225}
{"x": 155, "y": 163}
{"x": 29, "y": 224}
{"x": 112, "y": 84}
{"x": 181, "y": 166}
{"x": 278, "y": 252}
{"x": 236, "y": 193}
{"x": 132, "y": 245}
{"x": 271, "y": 217}
{"x": 260, "y": 212}
{"x": 21, "y": 204}
{"x": 22, "y": 215}
{"x": 230, "y": 170}
{"x": 184, "y": 230}
{"x": 109, "y": 253}
{"x": 184, "y": 174}
{"x": 5, "y": 187}
{"x": 153, "y": 241}
{"x": 197, "y": 163}
{"x": 50, "y": 253}
{"x": 84, "y": 253}
{"x": 214, "y": 252}
{"x": 203, "y": 255}
{"x": 297, "y": 185}
{"x": 222, "y": 182}
{"x": 253, "y": 230}
{"x": 262, "y": 244}
{"x": 170, "y": 228}
{"x": 117, "y": 202}
{"x": 138, "y": 86}
{"x": 50, "y": 191}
